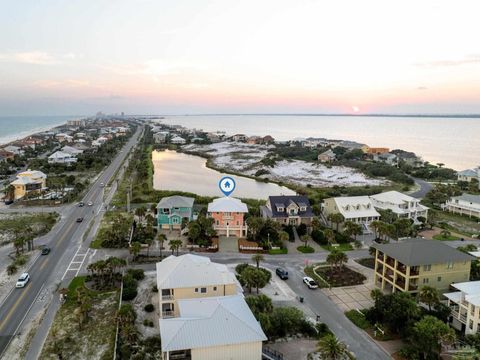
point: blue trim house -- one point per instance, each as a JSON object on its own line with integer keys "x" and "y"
{"x": 172, "y": 210}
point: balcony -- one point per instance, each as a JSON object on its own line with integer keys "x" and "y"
{"x": 414, "y": 271}
{"x": 463, "y": 318}
{"x": 168, "y": 314}
{"x": 390, "y": 262}
{"x": 167, "y": 297}
{"x": 412, "y": 287}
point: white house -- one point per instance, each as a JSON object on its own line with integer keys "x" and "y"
{"x": 358, "y": 209}
{"x": 14, "y": 149}
{"x": 465, "y": 306}
{"x": 64, "y": 137}
{"x": 60, "y": 157}
{"x": 466, "y": 204}
{"x": 71, "y": 150}
{"x": 178, "y": 140}
{"x": 160, "y": 137}
{"x": 469, "y": 175}
{"x": 402, "y": 205}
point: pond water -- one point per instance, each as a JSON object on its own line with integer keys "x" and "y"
{"x": 183, "y": 172}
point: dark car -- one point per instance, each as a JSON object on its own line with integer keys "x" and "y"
{"x": 79, "y": 220}
{"x": 282, "y": 273}
{"x": 45, "y": 250}
{"x": 81, "y": 203}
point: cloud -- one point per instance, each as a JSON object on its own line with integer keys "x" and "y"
{"x": 422, "y": 88}
{"x": 70, "y": 83}
{"x": 36, "y": 57}
{"x": 471, "y": 59}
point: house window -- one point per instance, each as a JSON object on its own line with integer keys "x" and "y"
{"x": 472, "y": 310}
{"x": 218, "y": 222}
{"x": 470, "y": 324}
{"x": 175, "y": 220}
{"x": 196, "y": 290}
{"x": 214, "y": 288}
{"x": 425, "y": 281}
{"x": 358, "y": 207}
{"x": 280, "y": 209}
{"x": 303, "y": 208}
{"x": 238, "y": 222}
{"x": 203, "y": 290}
{"x": 427, "y": 267}
{"x": 176, "y": 208}
{"x": 166, "y": 211}
{"x": 439, "y": 278}
{"x": 228, "y": 214}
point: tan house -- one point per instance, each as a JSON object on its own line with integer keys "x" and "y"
{"x": 377, "y": 150}
{"x": 29, "y": 182}
{"x": 358, "y": 209}
{"x": 411, "y": 264}
{"x": 203, "y": 314}
{"x": 327, "y": 156}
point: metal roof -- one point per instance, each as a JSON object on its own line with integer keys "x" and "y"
{"x": 175, "y": 201}
{"x": 227, "y": 204}
{"x": 416, "y": 252}
{"x": 469, "y": 198}
{"x": 208, "y": 322}
{"x": 189, "y": 270}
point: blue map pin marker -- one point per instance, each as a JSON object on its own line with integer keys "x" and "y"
{"x": 227, "y": 185}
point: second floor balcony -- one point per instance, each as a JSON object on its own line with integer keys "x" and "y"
{"x": 168, "y": 314}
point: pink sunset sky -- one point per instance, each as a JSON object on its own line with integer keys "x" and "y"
{"x": 263, "y": 56}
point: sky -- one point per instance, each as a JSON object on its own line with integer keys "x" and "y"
{"x": 251, "y": 56}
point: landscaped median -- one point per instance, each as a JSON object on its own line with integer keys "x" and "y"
{"x": 358, "y": 318}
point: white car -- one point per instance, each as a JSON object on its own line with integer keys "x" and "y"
{"x": 90, "y": 203}
{"x": 310, "y": 282}
{"x": 22, "y": 280}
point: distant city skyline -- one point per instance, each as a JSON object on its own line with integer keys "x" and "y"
{"x": 225, "y": 56}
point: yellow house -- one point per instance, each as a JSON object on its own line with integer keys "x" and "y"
{"x": 203, "y": 314}
{"x": 413, "y": 263}
{"x": 27, "y": 182}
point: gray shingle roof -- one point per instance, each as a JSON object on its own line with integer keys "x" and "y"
{"x": 416, "y": 252}
{"x": 468, "y": 197}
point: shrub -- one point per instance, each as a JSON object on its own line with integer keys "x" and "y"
{"x": 20, "y": 260}
{"x": 323, "y": 329}
{"x": 129, "y": 281}
{"x": 302, "y": 229}
{"x": 149, "y": 308}
{"x": 306, "y": 249}
{"x": 240, "y": 267}
{"x": 319, "y": 237}
{"x": 147, "y": 322}
{"x": 11, "y": 269}
{"x": 155, "y": 289}
{"x": 137, "y": 274}
{"x": 129, "y": 293}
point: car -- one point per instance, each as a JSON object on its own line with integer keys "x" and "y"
{"x": 22, "y": 280}
{"x": 81, "y": 204}
{"x": 45, "y": 250}
{"x": 282, "y": 273}
{"x": 102, "y": 184}
{"x": 79, "y": 220}
{"x": 90, "y": 203}
{"x": 310, "y": 282}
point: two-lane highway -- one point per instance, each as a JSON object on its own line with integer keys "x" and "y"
{"x": 18, "y": 303}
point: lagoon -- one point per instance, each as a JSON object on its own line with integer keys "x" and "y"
{"x": 183, "y": 172}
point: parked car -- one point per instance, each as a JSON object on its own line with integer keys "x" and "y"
{"x": 310, "y": 282}
{"x": 22, "y": 280}
{"x": 282, "y": 273}
{"x": 45, "y": 250}
{"x": 81, "y": 204}
{"x": 90, "y": 203}
{"x": 79, "y": 220}
{"x": 102, "y": 184}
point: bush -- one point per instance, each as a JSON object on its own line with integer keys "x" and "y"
{"x": 302, "y": 229}
{"x": 11, "y": 269}
{"x": 306, "y": 249}
{"x": 323, "y": 330}
{"x": 20, "y": 260}
{"x": 155, "y": 289}
{"x": 149, "y": 308}
{"x": 341, "y": 238}
{"x": 319, "y": 237}
{"x": 240, "y": 267}
{"x": 147, "y": 322}
{"x": 358, "y": 319}
{"x": 129, "y": 281}
{"x": 137, "y": 274}
{"x": 129, "y": 293}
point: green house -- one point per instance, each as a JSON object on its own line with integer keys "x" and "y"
{"x": 172, "y": 210}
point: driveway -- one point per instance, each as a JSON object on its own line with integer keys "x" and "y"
{"x": 425, "y": 187}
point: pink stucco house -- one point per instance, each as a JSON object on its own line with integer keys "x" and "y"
{"x": 228, "y": 215}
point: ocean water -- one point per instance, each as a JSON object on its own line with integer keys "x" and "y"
{"x": 454, "y": 142}
{"x": 17, "y": 127}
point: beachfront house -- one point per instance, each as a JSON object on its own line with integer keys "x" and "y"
{"x": 239, "y": 137}
{"x": 173, "y": 210}
{"x": 64, "y": 137}
{"x": 178, "y": 140}
{"x": 29, "y": 182}
{"x": 469, "y": 175}
{"x": 72, "y": 150}
{"x": 352, "y": 145}
{"x": 196, "y": 293}
{"x": 228, "y": 216}
{"x": 60, "y": 157}
{"x": 465, "y": 204}
{"x": 413, "y": 263}
{"x": 464, "y": 304}
{"x": 358, "y": 209}
{"x": 160, "y": 137}
{"x": 288, "y": 210}
{"x": 327, "y": 156}
{"x": 16, "y": 150}
{"x": 403, "y": 206}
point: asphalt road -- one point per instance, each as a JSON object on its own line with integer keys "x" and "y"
{"x": 18, "y": 303}
{"x": 425, "y": 187}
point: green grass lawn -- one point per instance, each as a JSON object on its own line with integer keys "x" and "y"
{"x": 340, "y": 247}
{"x": 306, "y": 249}
{"x": 448, "y": 238}
{"x": 277, "y": 251}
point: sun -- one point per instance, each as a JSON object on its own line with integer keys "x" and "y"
{"x": 355, "y": 109}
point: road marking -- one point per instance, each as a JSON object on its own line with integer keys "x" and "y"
{"x": 82, "y": 263}
{"x": 11, "y": 311}
{"x": 44, "y": 263}
{"x": 68, "y": 268}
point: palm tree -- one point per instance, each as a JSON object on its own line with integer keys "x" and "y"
{"x": 316, "y": 223}
{"x": 348, "y": 228}
{"x": 257, "y": 258}
{"x": 375, "y": 225}
{"x": 140, "y": 212}
{"x": 305, "y": 239}
{"x": 161, "y": 239}
{"x": 336, "y": 218}
{"x": 429, "y": 295}
{"x": 336, "y": 259}
{"x": 332, "y": 349}
{"x": 329, "y": 235}
{"x": 135, "y": 248}
{"x": 283, "y": 236}
{"x": 175, "y": 245}
{"x": 445, "y": 233}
